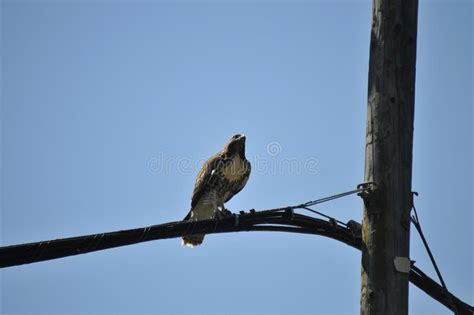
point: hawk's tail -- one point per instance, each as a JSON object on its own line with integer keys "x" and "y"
{"x": 192, "y": 240}
{"x": 201, "y": 211}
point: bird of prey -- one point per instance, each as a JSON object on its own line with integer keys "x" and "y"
{"x": 220, "y": 178}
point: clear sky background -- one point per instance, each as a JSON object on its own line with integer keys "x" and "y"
{"x": 108, "y": 109}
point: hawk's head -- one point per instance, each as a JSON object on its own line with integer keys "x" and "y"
{"x": 236, "y": 145}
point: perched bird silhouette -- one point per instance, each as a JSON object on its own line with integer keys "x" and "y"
{"x": 221, "y": 177}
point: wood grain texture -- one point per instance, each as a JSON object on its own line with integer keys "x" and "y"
{"x": 388, "y": 161}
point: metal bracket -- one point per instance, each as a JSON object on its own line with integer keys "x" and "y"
{"x": 370, "y": 189}
{"x": 370, "y": 185}
{"x": 402, "y": 264}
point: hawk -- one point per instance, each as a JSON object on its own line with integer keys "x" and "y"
{"x": 221, "y": 177}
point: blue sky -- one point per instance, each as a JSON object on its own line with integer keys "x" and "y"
{"x": 107, "y": 109}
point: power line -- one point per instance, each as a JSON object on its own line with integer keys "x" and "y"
{"x": 360, "y": 188}
{"x": 416, "y": 222}
{"x": 277, "y": 220}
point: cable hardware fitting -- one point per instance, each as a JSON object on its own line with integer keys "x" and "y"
{"x": 367, "y": 190}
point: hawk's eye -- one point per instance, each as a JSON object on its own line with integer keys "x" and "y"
{"x": 236, "y": 136}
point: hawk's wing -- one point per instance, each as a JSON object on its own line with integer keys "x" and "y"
{"x": 204, "y": 176}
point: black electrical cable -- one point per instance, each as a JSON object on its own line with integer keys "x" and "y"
{"x": 416, "y": 223}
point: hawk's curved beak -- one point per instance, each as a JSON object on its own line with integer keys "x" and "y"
{"x": 240, "y": 137}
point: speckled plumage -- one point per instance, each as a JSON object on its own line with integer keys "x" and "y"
{"x": 221, "y": 177}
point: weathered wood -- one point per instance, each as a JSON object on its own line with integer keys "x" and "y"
{"x": 388, "y": 161}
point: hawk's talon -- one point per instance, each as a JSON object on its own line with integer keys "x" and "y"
{"x": 224, "y": 212}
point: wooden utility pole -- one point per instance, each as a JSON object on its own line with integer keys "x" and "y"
{"x": 388, "y": 157}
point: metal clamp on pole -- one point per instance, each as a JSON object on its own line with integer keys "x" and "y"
{"x": 366, "y": 189}
{"x": 366, "y": 186}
